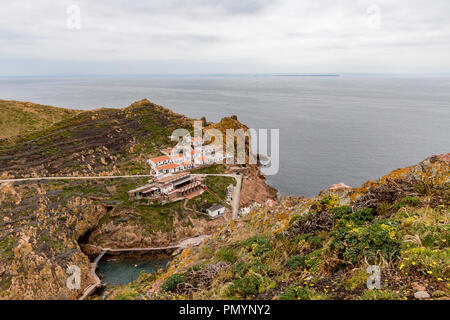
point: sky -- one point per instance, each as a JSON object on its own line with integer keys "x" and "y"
{"x": 43, "y": 37}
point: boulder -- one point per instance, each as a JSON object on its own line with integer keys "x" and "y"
{"x": 421, "y": 295}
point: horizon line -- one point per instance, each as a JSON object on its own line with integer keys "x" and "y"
{"x": 273, "y": 74}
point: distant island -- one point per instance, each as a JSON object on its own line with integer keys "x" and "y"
{"x": 307, "y": 75}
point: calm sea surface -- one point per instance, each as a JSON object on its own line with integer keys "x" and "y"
{"x": 332, "y": 129}
{"x": 126, "y": 270}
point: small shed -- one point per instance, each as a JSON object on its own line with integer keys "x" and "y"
{"x": 215, "y": 211}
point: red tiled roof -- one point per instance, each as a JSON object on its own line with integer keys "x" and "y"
{"x": 160, "y": 158}
{"x": 168, "y": 166}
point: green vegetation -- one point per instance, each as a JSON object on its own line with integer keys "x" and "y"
{"x": 159, "y": 217}
{"x": 258, "y": 245}
{"x": 241, "y": 268}
{"x": 219, "y": 184}
{"x": 407, "y": 201}
{"x": 227, "y": 254}
{"x": 251, "y": 285}
{"x": 20, "y": 118}
{"x": 380, "y": 295}
{"x": 202, "y": 202}
{"x": 341, "y": 211}
{"x": 325, "y": 204}
{"x": 172, "y": 282}
{"x": 214, "y": 169}
{"x": 355, "y": 242}
{"x": 296, "y": 261}
{"x": 355, "y": 279}
{"x": 126, "y": 293}
{"x": 296, "y": 293}
{"x": 356, "y": 218}
{"x": 6, "y": 247}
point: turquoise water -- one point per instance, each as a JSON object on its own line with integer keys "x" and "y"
{"x": 125, "y": 270}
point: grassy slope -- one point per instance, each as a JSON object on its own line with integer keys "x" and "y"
{"x": 20, "y": 118}
{"x": 321, "y": 248}
{"x": 107, "y": 141}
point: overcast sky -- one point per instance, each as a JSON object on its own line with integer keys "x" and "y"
{"x": 224, "y": 36}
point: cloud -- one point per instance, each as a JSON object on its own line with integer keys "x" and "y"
{"x": 248, "y": 36}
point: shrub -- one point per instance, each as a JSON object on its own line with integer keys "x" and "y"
{"x": 314, "y": 241}
{"x": 246, "y": 286}
{"x": 252, "y": 284}
{"x": 260, "y": 267}
{"x": 296, "y": 261}
{"x": 383, "y": 207}
{"x": 325, "y": 204}
{"x": 341, "y": 211}
{"x": 313, "y": 260}
{"x": 194, "y": 268}
{"x": 357, "y": 217}
{"x": 259, "y": 245}
{"x": 227, "y": 254}
{"x": 241, "y": 268}
{"x": 172, "y": 282}
{"x": 357, "y": 242}
{"x": 407, "y": 201}
{"x": 296, "y": 293}
{"x": 356, "y": 279}
{"x": 294, "y": 219}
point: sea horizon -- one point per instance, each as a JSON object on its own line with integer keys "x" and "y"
{"x": 332, "y": 129}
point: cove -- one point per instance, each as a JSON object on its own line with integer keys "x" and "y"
{"x": 120, "y": 271}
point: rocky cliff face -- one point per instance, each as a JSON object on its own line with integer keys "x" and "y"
{"x": 39, "y": 233}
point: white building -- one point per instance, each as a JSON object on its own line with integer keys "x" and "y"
{"x": 159, "y": 161}
{"x": 185, "y": 157}
{"x": 216, "y": 211}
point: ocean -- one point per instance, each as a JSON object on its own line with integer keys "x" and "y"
{"x": 346, "y": 128}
